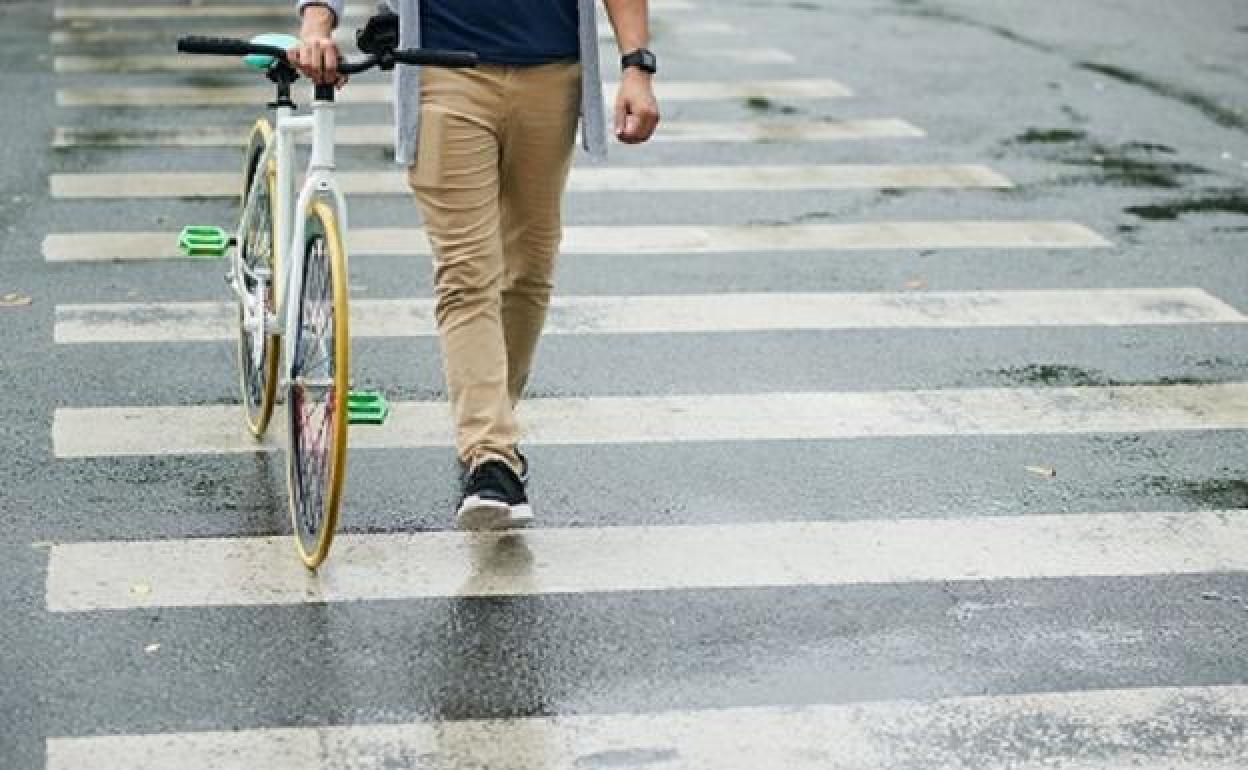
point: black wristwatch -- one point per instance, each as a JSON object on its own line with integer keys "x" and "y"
{"x": 643, "y": 59}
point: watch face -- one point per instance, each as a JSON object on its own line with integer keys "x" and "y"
{"x": 642, "y": 58}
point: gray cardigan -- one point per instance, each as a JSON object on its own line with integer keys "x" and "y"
{"x": 407, "y": 79}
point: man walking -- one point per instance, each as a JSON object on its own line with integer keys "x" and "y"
{"x": 488, "y": 152}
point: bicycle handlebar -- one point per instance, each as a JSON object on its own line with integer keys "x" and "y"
{"x": 225, "y": 46}
{"x": 428, "y": 57}
{"x": 432, "y": 57}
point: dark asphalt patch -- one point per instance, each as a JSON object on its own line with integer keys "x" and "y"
{"x": 365, "y": 662}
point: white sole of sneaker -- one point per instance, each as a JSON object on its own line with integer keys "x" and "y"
{"x": 521, "y": 516}
{"x": 477, "y": 515}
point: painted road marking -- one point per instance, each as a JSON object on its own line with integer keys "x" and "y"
{"x": 149, "y": 63}
{"x": 635, "y": 240}
{"x": 195, "y": 572}
{"x": 381, "y": 93}
{"x": 1125, "y": 729}
{"x": 673, "y": 314}
{"x": 240, "y": 11}
{"x": 193, "y": 184}
{"x": 127, "y": 431}
{"x": 344, "y": 34}
{"x": 383, "y": 135}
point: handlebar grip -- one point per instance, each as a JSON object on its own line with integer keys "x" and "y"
{"x": 225, "y": 46}
{"x": 429, "y": 57}
{"x": 354, "y": 68}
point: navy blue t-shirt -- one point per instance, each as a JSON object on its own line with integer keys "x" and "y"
{"x": 518, "y": 32}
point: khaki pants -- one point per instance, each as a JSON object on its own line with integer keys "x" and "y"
{"x": 495, "y": 147}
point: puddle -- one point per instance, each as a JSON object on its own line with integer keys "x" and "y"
{"x": 764, "y": 104}
{"x": 1050, "y": 136}
{"x": 627, "y": 758}
{"x": 1061, "y": 375}
{"x": 1216, "y": 493}
{"x": 1227, "y": 202}
{"x": 1066, "y": 375}
{"x": 1128, "y": 164}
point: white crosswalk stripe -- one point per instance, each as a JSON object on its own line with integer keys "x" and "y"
{"x": 380, "y": 93}
{"x": 281, "y": 11}
{"x": 148, "y": 63}
{"x": 186, "y": 184}
{"x": 1120, "y": 728}
{"x": 667, "y": 314}
{"x": 84, "y": 577}
{"x": 141, "y": 430}
{"x": 670, "y": 239}
{"x": 383, "y": 135}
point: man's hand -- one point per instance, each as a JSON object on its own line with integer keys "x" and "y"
{"x": 636, "y": 110}
{"x": 317, "y": 54}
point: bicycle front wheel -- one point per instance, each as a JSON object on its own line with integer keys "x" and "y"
{"x": 316, "y": 395}
{"x": 258, "y": 352}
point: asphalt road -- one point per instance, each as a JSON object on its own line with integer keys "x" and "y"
{"x": 1127, "y": 120}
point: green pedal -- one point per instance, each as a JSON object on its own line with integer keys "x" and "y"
{"x": 203, "y": 241}
{"x": 366, "y": 407}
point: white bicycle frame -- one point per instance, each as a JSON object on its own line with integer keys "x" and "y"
{"x": 318, "y": 184}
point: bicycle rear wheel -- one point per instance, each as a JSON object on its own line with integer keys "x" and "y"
{"x": 258, "y": 352}
{"x": 316, "y": 396}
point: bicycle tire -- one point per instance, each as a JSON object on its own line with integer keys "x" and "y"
{"x": 317, "y": 449}
{"x": 257, "y": 361}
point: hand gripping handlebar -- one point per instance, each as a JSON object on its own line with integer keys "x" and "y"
{"x": 426, "y": 57}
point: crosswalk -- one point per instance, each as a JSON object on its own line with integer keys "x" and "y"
{"x": 197, "y": 585}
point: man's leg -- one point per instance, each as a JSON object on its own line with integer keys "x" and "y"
{"x": 542, "y": 109}
{"x": 456, "y": 183}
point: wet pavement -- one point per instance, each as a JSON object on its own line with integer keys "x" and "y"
{"x": 1130, "y": 120}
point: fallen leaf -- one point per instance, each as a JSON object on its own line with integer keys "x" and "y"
{"x": 1041, "y": 470}
{"x": 14, "y": 299}
{"x": 140, "y": 589}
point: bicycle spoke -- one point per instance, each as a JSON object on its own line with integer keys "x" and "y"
{"x": 256, "y": 356}
{"x": 315, "y": 405}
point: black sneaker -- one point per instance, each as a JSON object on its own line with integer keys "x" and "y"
{"x": 524, "y": 468}
{"x": 494, "y": 498}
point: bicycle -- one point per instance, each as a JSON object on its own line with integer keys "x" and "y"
{"x": 292, "y": 313}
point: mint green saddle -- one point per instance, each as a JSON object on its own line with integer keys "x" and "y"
{"x": 260, "y": 61}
